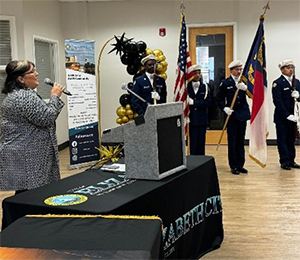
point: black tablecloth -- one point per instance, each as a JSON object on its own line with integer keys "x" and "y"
{"x": 188, "y": 202}
{"x": 82, "y": 237}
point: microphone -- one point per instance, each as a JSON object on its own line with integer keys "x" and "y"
{"x": 124, "y": 87}
{"x": 49, "y": 82}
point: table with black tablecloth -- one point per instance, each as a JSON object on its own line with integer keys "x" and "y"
{"x": 82, "y": 237}
{"x": 188, "y": 202}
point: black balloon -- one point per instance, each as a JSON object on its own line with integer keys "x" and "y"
{"x": 130, "y": 85}
{"x": 126, "y": 59}
{"x": 132, "y": 69}
{"x": 131, "y": 47}
{"x": 141, "y": 46}
{"x": 137, "y": 60}
{"x": 125, "y": 99}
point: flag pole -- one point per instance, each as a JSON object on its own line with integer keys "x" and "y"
{"x": 227, "y": 118}
{"x": 187, "y": 136}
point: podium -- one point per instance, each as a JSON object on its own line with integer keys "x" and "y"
{"x": 155, "y": 148}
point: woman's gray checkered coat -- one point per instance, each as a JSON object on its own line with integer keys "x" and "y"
{"x": 28, "y": 143}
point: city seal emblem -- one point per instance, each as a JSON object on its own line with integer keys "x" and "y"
{"x": 65, "y": 200}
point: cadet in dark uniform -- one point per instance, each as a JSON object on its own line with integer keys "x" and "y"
{"x": 143, "y": 86}
{"x": 199, "y": 101}
{"x": 283, "y": 98}
{"x": 236, "y": 127}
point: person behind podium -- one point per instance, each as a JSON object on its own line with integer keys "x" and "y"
{"x": 239, "y": 114}
{"x": 199, "y": 101}
{"x": 28, "y": 144}
{"x": 148, "y": 86}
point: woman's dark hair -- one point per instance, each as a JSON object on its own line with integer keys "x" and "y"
{"x": 14, "y": 69}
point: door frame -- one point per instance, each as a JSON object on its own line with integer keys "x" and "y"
{"x": 212, "y": 136}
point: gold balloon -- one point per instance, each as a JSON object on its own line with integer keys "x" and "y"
{"x": 130, "y": 120}
{"x": 130, "y": 117}
{"x": 129, "y": 112}
{"x": 128, "y": 106}
{"x": 135, "y": 115}
{"x": 125, "y": 119}
{"x": 164, "y": 64}
{"x": 119, "y": 120}
{"x": 148, "y": 51}
{"x": 157, "y": 52}
{"x": 121, "y": 111}
{"x": 162, "y": 58}
{"x": 163, "y": 75}
{"x": 159, "y": 68}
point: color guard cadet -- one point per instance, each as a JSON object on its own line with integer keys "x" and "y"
{"x": 285, "y": 92}
{"x": 149, "y": 86}
{"x": 236, "y": 127}
{"x": 199, "y": 101}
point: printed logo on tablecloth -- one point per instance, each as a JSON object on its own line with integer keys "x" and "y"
{"x": 65, "y": 200}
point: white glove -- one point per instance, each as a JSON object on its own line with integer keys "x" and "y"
{"x": 155, "y": 95}
{"x": 228, "y": 111}
{"x": 295, "y": 94}
{"x": 242, "y": 86}
{"x": 292, "y": 118}
{"x": 191, "y": 101}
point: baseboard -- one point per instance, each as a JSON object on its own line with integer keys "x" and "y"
{"x": 273, "y": 142}
{"x": 63, "y": 146}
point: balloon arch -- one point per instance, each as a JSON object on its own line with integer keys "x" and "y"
{"x": 131, "y": 53}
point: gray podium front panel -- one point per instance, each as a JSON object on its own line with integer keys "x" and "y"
{"x": 156, "y": 148}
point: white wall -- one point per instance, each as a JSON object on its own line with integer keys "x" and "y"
{"x": 41, "y": 18}
{"x": 140, "y": 20}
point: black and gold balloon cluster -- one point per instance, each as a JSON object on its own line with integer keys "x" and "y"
{"x": 131, "y": 53}
{"x": 124, "y": 112}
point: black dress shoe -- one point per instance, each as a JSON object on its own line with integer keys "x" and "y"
{"x": 285, "y": 167}
{"x": 294, "y": 165}
{"x": 235, "y": 171}
{"x": 243, "y": 170}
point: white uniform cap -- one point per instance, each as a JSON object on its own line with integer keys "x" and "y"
{"x": 148, "y": 57}
{"x": 235, "y": 63}
{"x": 285, "y": 63}
{"x": 196, "y": 67}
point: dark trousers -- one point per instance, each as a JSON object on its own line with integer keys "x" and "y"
{"x": 286, "y": 142}
{"x": 236, "y": 131}
{"x": 197, "y": 139}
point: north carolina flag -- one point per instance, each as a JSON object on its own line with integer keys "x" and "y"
{"x": 255, "y": 77}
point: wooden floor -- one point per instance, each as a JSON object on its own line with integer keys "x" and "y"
{"x": 261, "y": 209}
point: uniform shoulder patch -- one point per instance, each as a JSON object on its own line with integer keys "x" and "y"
{"x": 274, "y": 85}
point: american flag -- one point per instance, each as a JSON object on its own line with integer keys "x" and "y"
{"x": 255, "y": 77}
{"x": 184, "y": 73}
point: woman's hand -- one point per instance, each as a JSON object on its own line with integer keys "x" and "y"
{"x": 57, "y": 89}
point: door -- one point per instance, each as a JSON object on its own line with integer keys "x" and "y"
{"x": 212, "y": 49}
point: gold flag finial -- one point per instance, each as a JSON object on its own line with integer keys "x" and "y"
{"x": 266, "y": 7}
{"x": 182, "y": 7}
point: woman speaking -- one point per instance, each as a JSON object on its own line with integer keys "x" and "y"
{"x": 28, "y": 143}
